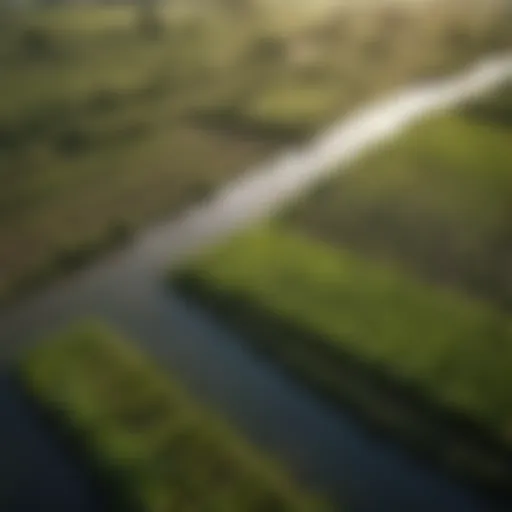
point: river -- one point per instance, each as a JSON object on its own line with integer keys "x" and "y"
{"x": 323, "y": 446}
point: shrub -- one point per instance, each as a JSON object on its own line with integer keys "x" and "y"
{"x": 105, "y": 100}
{"x": 120, "y": 231}
{"x": 75, "y": 256}
{"x": 74, "y": 140}
{"x": 10, "y": 138}
{"x": 156, "y": 87}
{"x": 459, "y": 38}
{"x": 37, "y": 43}
{"x": 201, "y": 191}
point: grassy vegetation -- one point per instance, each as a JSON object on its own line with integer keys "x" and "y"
{"x": 437, "y": 200}
{"x": 104, "y": 121}
{"x": 101, "y": 141}
{"x": 154, "y": 450}
{"x": 431, "y": 366}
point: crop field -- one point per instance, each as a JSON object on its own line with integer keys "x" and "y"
{"x": 389, "y": 287}
{"x": 437, "y": 200}
{"x": 153, "y": 449}
{"x": 109, "y": 119}
{"x": 372, "y": 310}
{"x": 430, "y": 365}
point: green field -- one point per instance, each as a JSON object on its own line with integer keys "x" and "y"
{"x": 153, "y": 449}
{"x": 430, "y": 365}
{"x": 108, "y": 121}
{"x": 436, "y": 200}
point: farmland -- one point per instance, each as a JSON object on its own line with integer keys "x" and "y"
{"x": 437, "y": 200}
{"x": 429, "y": 365}
{"x": 388, "y": 287}
{"x": 109, "y": 120}
{"x": 142, "y": 436}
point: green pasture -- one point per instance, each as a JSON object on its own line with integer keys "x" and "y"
{"x": 153, "y": 449}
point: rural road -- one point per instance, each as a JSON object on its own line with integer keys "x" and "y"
{"x": 324, "y": 447}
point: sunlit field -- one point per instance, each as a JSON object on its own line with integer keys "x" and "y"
{"x": 111, "y": 117}
{"x": 150, "y": 446}
{"x": 437, "y": 200}
{"x": 388, "y": 288}
{"x": 428, "y": 365}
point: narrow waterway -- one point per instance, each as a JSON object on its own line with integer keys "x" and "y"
{"x": 320, "y": 444}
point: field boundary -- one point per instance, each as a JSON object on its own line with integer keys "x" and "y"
{"x": 450, "y": 439}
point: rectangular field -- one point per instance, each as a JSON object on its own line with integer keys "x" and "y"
{"x": 428, "y": 364}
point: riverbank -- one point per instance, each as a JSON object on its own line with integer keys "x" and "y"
{"x": 146, "y": 443}
{"x": 412, "y": 360}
